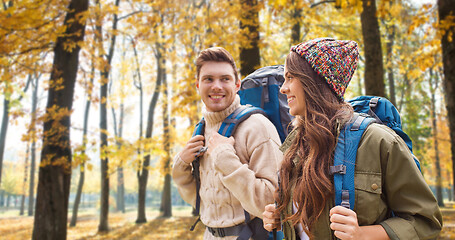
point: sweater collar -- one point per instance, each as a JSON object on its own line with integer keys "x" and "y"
{"x": 212, "y": 118}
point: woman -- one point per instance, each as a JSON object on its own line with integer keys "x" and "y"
{"x": 392, "y": 200}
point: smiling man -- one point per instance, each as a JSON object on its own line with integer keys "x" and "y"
{"x": 237, "y": 173}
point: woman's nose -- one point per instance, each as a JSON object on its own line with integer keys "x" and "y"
{"x": 284, "y": 88}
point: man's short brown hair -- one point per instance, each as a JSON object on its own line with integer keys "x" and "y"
{"x": 215, "y": 54}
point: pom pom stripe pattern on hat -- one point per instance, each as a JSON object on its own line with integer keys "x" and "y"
{"x": 334, "y": 60}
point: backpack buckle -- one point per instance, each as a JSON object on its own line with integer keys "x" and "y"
{"x": 340, "y": 169}
{"x": 217, "y": 232}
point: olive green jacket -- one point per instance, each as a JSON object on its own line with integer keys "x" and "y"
{"x": 386, "y": 179}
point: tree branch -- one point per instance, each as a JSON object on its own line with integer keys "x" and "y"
{"x": 322, "y": 2}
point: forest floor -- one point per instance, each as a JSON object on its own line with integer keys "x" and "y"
{"x": 122, "y": 226}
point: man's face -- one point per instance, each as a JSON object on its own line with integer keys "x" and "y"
{"x": 217, "y": 85}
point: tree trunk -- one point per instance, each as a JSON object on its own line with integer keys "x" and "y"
{"x": 104, "y": 205}
{"x": 51, "y": 214}
{"x": 447, "y": 11}
{"x": 450, "y": 187}
{"x": 374, "y": 70}
{"x": 138, "y": 83}
{"x": 24, "y": 184}
{"x": 295, "y": 31}
{"x": 32, "y": 130}
{"x": 80, "y": 185}
{"x": 120, "y": 190}
{"x": 120, "y": 182}
{"x": 142, "y": 174}
{"x": 4, "y": 129}
{"x": 439, "y": 187}
{"x": 104, "y": 201}
{"x": 390, "y": 66}
{"x": 249, "y": 26}
{"x": 166, "y": 204}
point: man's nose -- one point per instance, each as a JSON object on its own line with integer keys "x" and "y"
{"x": 217, "y": 84}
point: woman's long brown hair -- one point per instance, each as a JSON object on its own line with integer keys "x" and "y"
{"x": 313, "y": 146}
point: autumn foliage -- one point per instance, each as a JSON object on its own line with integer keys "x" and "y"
{"x": 135, "y": 87}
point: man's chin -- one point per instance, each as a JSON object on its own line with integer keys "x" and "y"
{"x": 217, "y": 108}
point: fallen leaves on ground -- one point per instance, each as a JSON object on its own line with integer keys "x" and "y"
{"x": 122, "y": 226}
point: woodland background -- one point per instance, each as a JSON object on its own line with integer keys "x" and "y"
{"x": 99, "y": 95}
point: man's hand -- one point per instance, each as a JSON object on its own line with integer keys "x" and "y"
{"x": 191, "y": 149}
{"x": 217, "y": 139}
{"x": 271, "y": 218}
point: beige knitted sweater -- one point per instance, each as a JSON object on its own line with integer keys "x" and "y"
{"x": 233, "y": 178}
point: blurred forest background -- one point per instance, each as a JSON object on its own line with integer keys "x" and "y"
{"x": 98, "y": 96}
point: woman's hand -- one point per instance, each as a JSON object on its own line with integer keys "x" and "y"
{"x": 271, "y": 218}
{"x": 344, "y": 223}
{"x": 191, "y": 149}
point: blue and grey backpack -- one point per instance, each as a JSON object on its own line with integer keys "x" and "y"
{"x": 368, "y": 109}
{"x": 260, "y": 93}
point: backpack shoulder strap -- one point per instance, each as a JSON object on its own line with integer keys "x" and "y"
{"x": 232, "y": 121}
{"x": 345, "y": 157}
{"x": 198, "y": 130}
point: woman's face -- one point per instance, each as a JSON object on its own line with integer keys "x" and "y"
{"x": 293, "y": 89}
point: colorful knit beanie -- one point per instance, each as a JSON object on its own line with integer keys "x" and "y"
{"x": 334, "y": 60}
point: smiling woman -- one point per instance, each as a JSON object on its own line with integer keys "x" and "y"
{"x": 317, "y": 74}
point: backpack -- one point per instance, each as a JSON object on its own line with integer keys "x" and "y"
{"x": 260, "y": 92}
{"x": 368, "y": 109}
{"x": 262, "y": 89}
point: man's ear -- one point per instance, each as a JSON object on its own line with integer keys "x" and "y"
{"x": 197, "y": 84}
{"x": 237, "y": 85}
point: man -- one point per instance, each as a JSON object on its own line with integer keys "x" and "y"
{"x": 237, "y": 173}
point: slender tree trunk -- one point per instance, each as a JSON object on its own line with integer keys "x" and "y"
{"x": 433, "y": 87}
{"x": 143, "y": 173}
{"x": 5, "y": 118}
{"x": 450, "y": 187}
{"x": 295, "y": 31}
{"x": 31, "y": 188}
{"x": 446, "y": 11}
{"x": 120, "y": 181}
{"x": 166, "y": 203}
{"x": 80, "y": 184}
{"x": 141, "y": 189}
{"x": 24, "y": 184}
{"x": 104, "y": 206}
{"x": 374, "y": 70}
{"x": 51, "y": 214}
{"x": 4, "y": 129}
{"x": 249, "y": 25}
{"x": 390, "y": 66}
